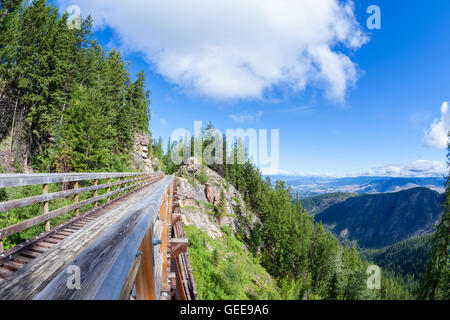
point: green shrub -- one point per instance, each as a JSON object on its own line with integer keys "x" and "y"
{"x": 224, "y": 269}
{"x": 202, "y": 177}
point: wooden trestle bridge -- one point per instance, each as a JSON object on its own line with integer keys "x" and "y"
{"x": 100, "y": 236}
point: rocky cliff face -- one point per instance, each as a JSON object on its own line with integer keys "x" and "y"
{"x": 142, "y": 161}
{"x": 198, "y": 201}
{"x": 17, "y": 160}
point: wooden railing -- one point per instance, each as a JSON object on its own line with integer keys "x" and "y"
{"x": 126, "y": 182}
{"x": 131, "y": 254}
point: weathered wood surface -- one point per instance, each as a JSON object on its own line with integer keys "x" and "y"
{"x": 131, "y": 276}
{"x": 19, "y": 180}
{"x": 104, "y": 252}
{"x": 5, "y": 232}
{"x": 24, "y": 246}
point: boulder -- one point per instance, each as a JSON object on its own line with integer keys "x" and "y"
{"x": 212, "y": 194}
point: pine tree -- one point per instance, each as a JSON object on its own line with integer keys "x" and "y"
{"x": 215, "y": 257}
{"x": 436, "y": 281}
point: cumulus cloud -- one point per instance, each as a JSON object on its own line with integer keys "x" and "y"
{"x": 419, "y": 168}
{"x": 247, "y": 117}
{"x": 238, "y": 49}
{"x": 437, "y": 135}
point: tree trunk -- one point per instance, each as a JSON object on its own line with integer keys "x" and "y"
{"x": 62, "y": 115}
{"x": 13, "y": 124}
{"x": 3, "y": 87}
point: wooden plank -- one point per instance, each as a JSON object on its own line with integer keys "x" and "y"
{"x": 22, "y": 259}
{"x": 5, "y": 272}
{"x": 38, "y": 249}
{"x": 5, "y": 232}
{"x": 19, "y": 180}
{"x": 53, "y": 241}
{"x": 12, "y": 266}
{"x": 30, "y": 254}
{"x": 64, "y": 233}
{"x": 180, "y": 291}
{"x": 45, "y": 245}
{"x": 58, "y": 236}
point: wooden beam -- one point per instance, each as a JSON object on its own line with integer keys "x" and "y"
{"x": 145, "y": 282}
{"x": 131, "y": 277}
{"x": 20, "y": 180}
{"x": 178, "y": 245}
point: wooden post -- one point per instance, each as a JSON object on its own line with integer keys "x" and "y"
{"x": 47, "y": 223}
{"x": 118, "y": 187}
{"x": 109, "y": 190}
{"x": 75, "y": 199}
{"x": 1, "y": 246}
{"x": 95, "y": 193}
{"x": 145, "y": 282}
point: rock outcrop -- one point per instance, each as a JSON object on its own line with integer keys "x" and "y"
{"x": 198, "y": 202}
{"x": 212, "y": 194}
{"x": 142, "y": 161}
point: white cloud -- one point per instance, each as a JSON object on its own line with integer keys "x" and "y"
{"x": 271, "y": 171}
{"x": 163, "y": 121}
{"x": 300, "y": 111}
{"x": 418, "y": 168}
{"x": 238, "y": 49}
{"x": 247, "y": 117}
{"x": 437, "y": 135}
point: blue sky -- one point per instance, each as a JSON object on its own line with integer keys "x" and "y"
{"x": 368, "y": 110}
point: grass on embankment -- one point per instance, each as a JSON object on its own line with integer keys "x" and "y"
{"x": 224, "y": 269}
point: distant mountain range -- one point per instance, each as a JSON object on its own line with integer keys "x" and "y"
{"x": 379, "y": 220}
{"x": 311, "y": 186}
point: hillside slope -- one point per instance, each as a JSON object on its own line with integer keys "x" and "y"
{"x": 216, "y": 219}
{"x": 379, "y": 220}
{"x": 406, "y": 258}
{"x": 316, "y": 204}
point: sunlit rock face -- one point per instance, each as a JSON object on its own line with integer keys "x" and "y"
{"x": 198, "y": 201}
